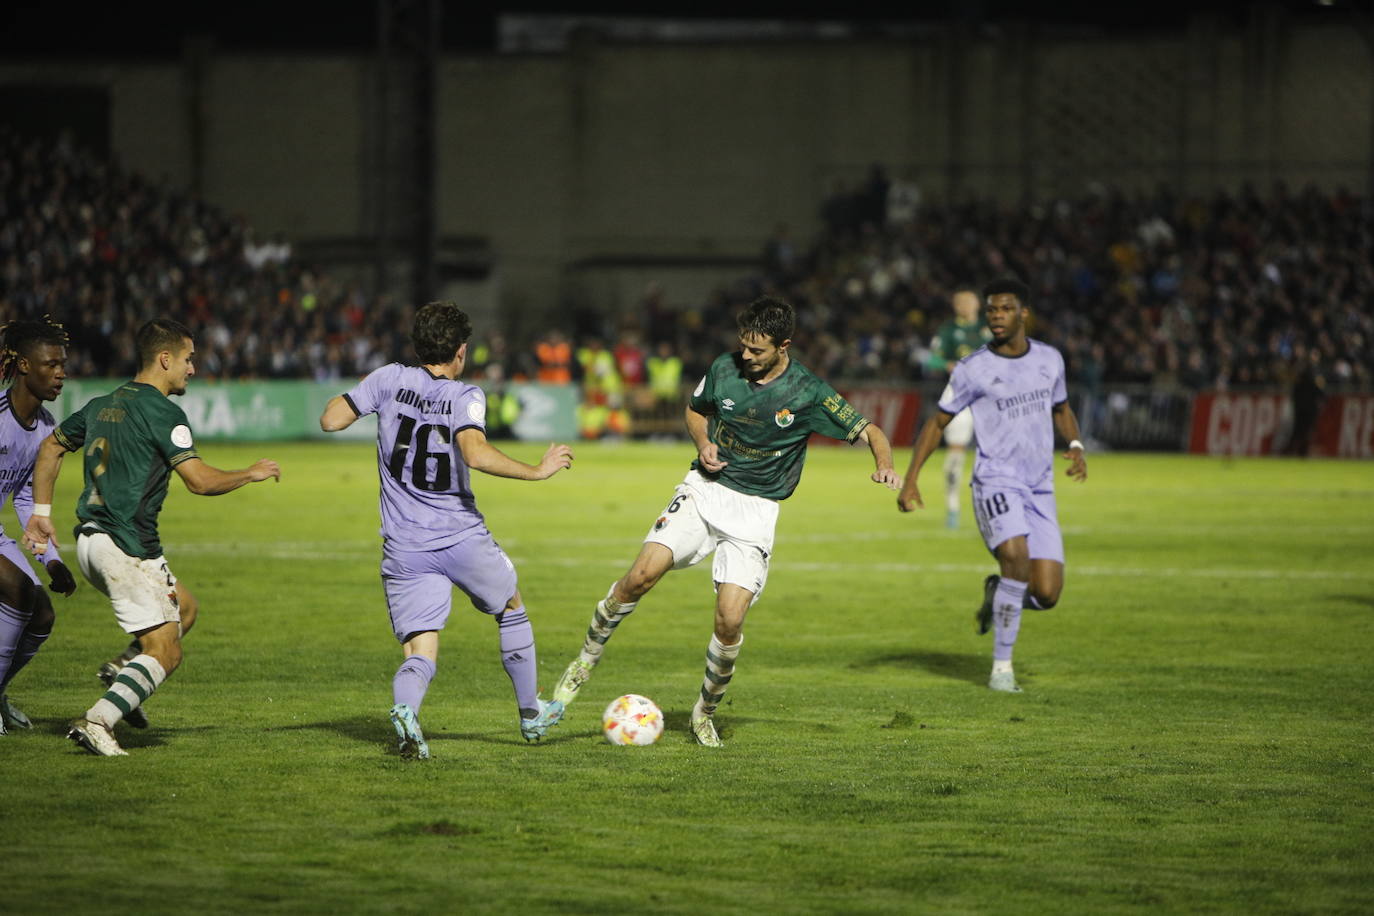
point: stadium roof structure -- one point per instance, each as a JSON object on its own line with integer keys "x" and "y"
{"x": 144, "y": 31}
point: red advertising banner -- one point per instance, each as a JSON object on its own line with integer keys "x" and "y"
{"x": 1238, "y": 424}
{"x": 1345, "y": 427}
{"x": 894, "y": 410}
{"x": 1262, "y": 424}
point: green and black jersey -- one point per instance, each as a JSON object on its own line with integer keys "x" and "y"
{"x": 130, "y": 439}
{"x": 761, "y": 430}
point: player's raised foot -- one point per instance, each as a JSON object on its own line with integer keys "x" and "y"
{"x": 95, "y": 738}
{"x": 704, "y": 731}
{"x": 984, "y": 615}
{"x": 1005, "y": 681}
{"x": 409, "y": 739}
{"x": 107, "y": 674}
{"x": 574, "y": 676}
{"x": 545, "y": 717}
{"x": 11, "y": 716}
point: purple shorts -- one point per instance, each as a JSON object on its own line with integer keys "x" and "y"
{"x": 10, "y": 550}
{"x": 419, "y": 584}
{"x": 1005, "y": 510}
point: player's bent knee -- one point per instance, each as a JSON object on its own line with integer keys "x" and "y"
{"x": 638, "y": 581}
{"x": 1043, "y": 602}
{"x": 43, "y": 616}
{"x": 35, "y": 604}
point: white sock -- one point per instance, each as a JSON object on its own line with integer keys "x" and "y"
{"x": 954, "y": 469}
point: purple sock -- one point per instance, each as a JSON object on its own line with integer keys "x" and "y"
{"x": 517, "y": 655}
{"x": 412, "y": 680}
{"x": 1006, "y": 616}
{"x": 28, "y": 647}
{"x": 12, "y": 625}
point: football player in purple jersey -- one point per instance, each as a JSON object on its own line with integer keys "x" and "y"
{"x": 1015, "y": 388}
{"x": 431, "y": 434}
{"x": 33, "y": 359}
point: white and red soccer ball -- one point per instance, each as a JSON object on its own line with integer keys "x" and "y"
{"x": 632, "y": 719}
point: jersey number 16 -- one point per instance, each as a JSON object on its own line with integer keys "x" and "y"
{"x": 409, "y": 436}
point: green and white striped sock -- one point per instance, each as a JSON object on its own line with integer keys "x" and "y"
{"x": 605, "y": 619}
{"x": 720, "y": 667}
{"x": 133, "y": 685}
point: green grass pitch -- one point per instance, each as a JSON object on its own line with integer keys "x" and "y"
{"x": 1195, "y": 734}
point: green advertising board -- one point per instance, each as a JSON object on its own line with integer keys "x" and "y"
{"x": 266, "y": 411}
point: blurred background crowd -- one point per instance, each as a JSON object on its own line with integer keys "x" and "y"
{"x": 1238, "y": 290}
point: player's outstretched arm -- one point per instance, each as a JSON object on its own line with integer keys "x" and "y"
{"x": 39, "y": 530}
{"x": 910, "y": 496}
{"x": 1066, "y": 422}
{"x": 204, "y": 480}
{"x": 481, "y": 455}
{"x": 338, "y": 415}
{"x": 881, "y": 448}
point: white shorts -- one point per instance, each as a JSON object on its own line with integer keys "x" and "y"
{"x": 959, "y": 432}
{"x": 143, "y": 592}
{"x": 705, "y": 516}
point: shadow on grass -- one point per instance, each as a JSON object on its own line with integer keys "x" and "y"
{"x": 676, "y": 725}
{"x": 957, "y": 666}
{"x": 130, "y": 738}
{"x": 1366, "y": 600}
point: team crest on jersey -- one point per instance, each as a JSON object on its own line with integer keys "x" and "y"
{"x": 784, "y": 418}
{"x": 661, "y": 523}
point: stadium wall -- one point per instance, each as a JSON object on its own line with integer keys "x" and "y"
{"x": 1229, "y": 424}
{"x": 630, "y": 154}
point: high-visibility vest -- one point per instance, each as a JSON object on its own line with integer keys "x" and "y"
{"x": 555, "y": 363}
{"x": 665, "y": 376}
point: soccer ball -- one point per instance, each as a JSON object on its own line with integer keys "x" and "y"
{"x": 632, "y": 719}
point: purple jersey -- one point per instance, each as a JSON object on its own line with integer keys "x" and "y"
{"x": 1010, "y": 398}
{"x": 426, "y": 500}
{"x": 18, "y": 449}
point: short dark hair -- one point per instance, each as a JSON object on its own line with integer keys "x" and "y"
{"x": 440, "y": 329}
{"x": 1007, "y": 284}
{"x": 19, "y": 337}
{"x": 768, "y": 317}
{"x": 158, "y": 335}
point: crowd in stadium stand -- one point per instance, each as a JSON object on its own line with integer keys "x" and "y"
{"x": 101, "y": 249}
{"x": 1229, "y": 291}
{"x": 1232, "y": 291}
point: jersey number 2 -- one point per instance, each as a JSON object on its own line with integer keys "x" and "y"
{"x": 407, "y": 437}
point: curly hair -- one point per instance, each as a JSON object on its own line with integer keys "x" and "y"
{"x": 768, "y": 317}
{"x": 19, "y": 337}
{"x": 1010, "y": 285}
{"x": 440, "y": 329}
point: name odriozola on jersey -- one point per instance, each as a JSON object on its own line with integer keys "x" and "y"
{"x": 761, "y": 431}
{"x": 1011, "y": 398}
{"x": 131, "y": 440}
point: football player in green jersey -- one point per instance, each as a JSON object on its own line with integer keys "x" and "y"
{"x": 131, "y": 440}
{"x": 955, "y": 339}
{"x": 750, "y": 418}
